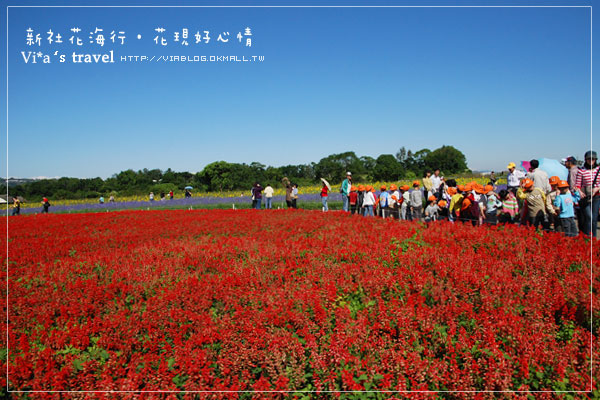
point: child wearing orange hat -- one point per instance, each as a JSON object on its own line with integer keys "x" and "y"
{"x": 395, "y": 202}
{"x": 469, "y": 208}
{"x": 359, "y": 202}
{"x": 384, "y": 202}
{"x": 492, "y": 205}
{"x": 565, "y": 204}
{"x": 405, "y": 205}
{"x": 432, "y": 210}
{"x": 535, "y": 206}
{"x": 553, "y": 217}
{"x": 368, "y": 201}
{"x": 353, "y": 199}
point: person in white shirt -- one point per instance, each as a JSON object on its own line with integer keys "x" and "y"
{"x": 394, "y": 201}
{"x": 268, "y": 197}
{"x": 436, "y": 181}
{"x": 368, "y": 202}
{"x": 514, "y": 178}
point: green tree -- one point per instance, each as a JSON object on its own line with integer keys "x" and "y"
{"x": 334, "y": 167}
{"x": 387, "y": 168}
{"x": 448, "y": 159}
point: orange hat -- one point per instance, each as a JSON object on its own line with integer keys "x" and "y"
{"x": 554, "y": 180}
{"x": 468, "y": 187}
{"x": 372, "y": 189}
{"x": 527, "y": 183}
{"x": 361, "y": 188}
{"x": 405, "y": 188}
{"x": 432, "y": 198}
{"x": 479, "y": 189}
{"x": 442, "y": 203}
{"x": 465, "y": 204}
{"x": 368, "y": 188}
{"x": 488, "y": 188}
{"x": 383, "y": 187}
{"x": 353, "y": 188}
{"x": 563, "y": 184}
{"x": 452, "y": 191}
{"x": 461, "y": 188}
{"x": 393, "y": 187}
{"x": 416, "y": 183}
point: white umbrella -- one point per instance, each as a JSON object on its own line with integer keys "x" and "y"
{"x": 2, "y": 201}
{"x": 326, "y": 183}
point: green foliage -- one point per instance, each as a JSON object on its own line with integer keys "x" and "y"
{"x": 446, "y": 158}
{"x": 224, "y": 176}
{"x": 334, "y": 167}
{"x": 387, "y": 168}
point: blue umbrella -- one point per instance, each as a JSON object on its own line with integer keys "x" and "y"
{"x": 188, "y": 188}
{"x": 553, "y": 168}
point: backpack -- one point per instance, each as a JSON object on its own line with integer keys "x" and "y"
{"x": 383, "y": 199}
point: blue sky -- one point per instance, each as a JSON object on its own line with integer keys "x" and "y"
{"x": 500, "y": 84}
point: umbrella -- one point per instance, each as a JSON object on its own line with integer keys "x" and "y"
{"x": 525, "y": 165}
{"x": 188, "y": 188}
{"x": 326, "y": 183}
{"x": 553, "y": 168}
{"x": 2, "y": 201}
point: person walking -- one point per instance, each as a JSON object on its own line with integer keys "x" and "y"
{"x": 514, "y": 177}
{"x": 151, "y": 196}
{"x": 588, "y": 185}
{"x": 345, "y": 190}
{"x": 268, "y": 197}
{"x": 16, "y": 206}
{"x": 45, "y": 205}
{"x": 171, "y": 195}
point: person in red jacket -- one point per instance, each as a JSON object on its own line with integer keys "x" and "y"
{"x": 353, "y": 199}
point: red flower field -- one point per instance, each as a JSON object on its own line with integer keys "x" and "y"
{"x": 294, "y": 301}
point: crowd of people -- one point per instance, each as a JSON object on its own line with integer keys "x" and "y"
{"x": 530, "y": 198}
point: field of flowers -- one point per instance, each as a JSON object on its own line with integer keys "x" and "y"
{"x": 294, "y": 301}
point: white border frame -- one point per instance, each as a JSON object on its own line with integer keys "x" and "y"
{"x": 300, "y": 391}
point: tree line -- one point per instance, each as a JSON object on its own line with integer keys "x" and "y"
{"x": 224, "y": 176}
